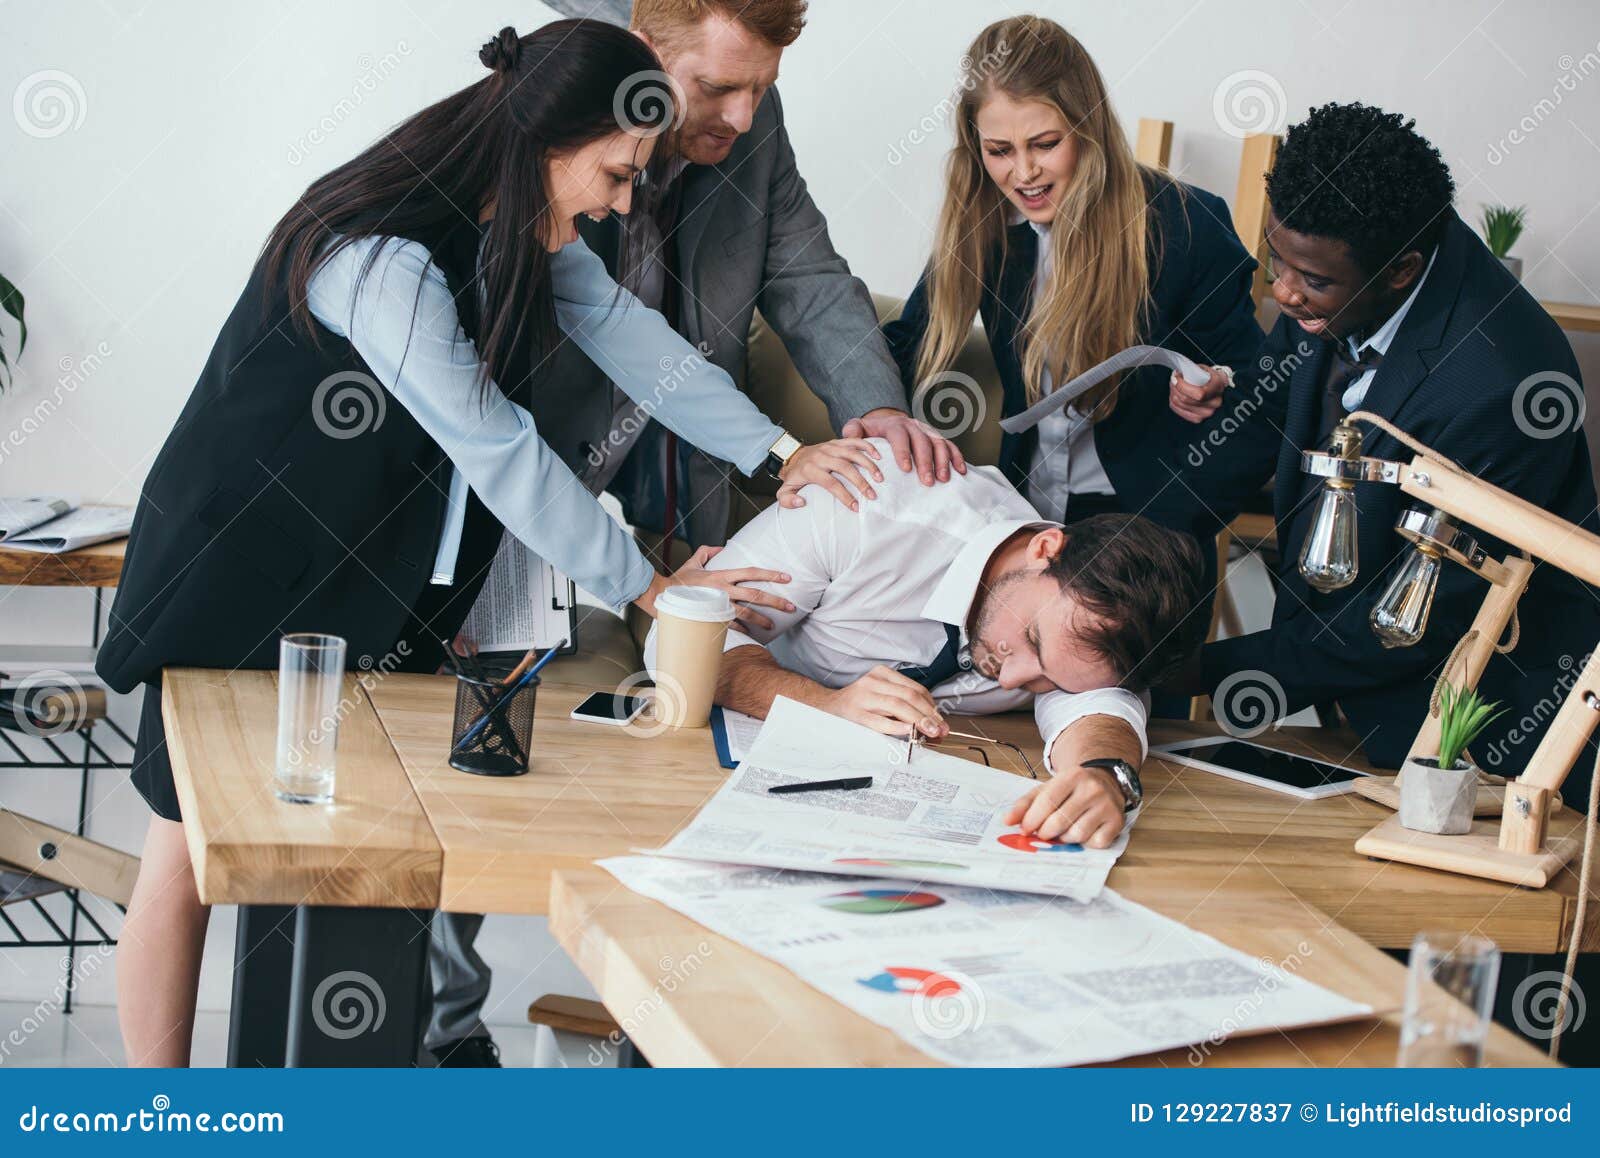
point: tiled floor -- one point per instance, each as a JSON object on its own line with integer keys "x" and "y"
{"x": 88, "y": 1036}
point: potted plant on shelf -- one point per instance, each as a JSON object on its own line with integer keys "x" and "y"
{"x": 11, "y": 303}
{"x": 1439, "y": 793}
{"x": 1502, "y": 225}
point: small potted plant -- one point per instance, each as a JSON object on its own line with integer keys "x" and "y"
{"x": 11, "y": 303}
{"x": 1439, "y": 794}
{"x": 1502, "y": 225}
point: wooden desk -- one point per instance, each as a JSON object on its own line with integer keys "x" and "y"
{"x": 737, "y": 1008}
{"x": 494, "y": 845}
{"x": 1574, "y": 315}
{"x": 96, "y": 566}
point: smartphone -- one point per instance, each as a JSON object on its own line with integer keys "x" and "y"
{"x": 1267, "y": 767}
{"x": 609, "y": 708}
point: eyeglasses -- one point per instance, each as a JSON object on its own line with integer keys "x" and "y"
{"x": 915, "y": 739}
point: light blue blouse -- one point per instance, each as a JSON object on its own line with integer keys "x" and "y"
{"x": 403, "y": 323}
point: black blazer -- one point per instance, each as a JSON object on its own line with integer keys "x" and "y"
{"x": 256, "y": 519}
{"x": 1450, "y": 379}
{"x": 1200, "y": 305}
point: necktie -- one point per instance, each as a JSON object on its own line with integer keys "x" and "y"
{"x": 1344, "y": 370}
{"x": 943, "y": 666}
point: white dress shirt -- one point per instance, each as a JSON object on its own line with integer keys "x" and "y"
{"x": 1065, "y": 461}
{"x": 403, "y": 323}
{"x": 1356, "y": 393}
{"x": 877, "y": 586}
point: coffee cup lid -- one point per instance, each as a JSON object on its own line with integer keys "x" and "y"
{"x": 706, "y": 604}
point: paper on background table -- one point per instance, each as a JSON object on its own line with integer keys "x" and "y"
{"x": 980, "y": 977}
{"x": 1132, "y": 357}
{"x": 82, "y": 527}
{"x": 20, "y": 514}
{"x": 734, "y": 732}
{"x": 934, "y": 819}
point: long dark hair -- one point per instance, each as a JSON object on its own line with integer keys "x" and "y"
{"x": 557, "y": 88}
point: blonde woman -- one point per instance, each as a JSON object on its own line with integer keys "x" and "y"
{"x": 1070, "y": 251}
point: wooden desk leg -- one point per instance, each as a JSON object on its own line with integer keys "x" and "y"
{"x": 357, "y": 988}
{"x": 262, "y": 957}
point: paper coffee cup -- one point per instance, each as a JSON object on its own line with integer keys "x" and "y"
{"x": 691, "y": 623}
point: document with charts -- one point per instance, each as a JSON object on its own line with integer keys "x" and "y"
{"x": 987, "y": 978}
{"x": 936, "y": 817}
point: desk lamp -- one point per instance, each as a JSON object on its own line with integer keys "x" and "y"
{"x": 1451, "y": 496}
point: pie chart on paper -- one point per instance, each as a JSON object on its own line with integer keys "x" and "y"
{"x": 878, "y": 902}
{"x": 1025, "y": 843}
{"x": 924, "y": 982}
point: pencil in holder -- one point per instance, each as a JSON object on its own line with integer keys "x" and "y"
{"x": 493, "y": 726}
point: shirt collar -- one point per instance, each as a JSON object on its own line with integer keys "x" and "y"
{"x": 951, "y": 601}
{"x": 1384, "y": 334}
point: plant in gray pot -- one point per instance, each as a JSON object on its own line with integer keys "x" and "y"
{"x": 1502, "y": 226}
{"x": 1438, "y": 793}
{"x": 11, "y": 303}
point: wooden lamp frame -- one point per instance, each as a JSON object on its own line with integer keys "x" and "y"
{"x": 1522, "y": 851}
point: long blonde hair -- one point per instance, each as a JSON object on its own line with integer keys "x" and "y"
{"x": 1100, "y": 277}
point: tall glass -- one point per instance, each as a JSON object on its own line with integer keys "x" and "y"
{"x": 310, "y": 681}
{"x": 1449, "y": 998}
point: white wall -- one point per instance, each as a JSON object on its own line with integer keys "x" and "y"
{"x": 191, "y": 126}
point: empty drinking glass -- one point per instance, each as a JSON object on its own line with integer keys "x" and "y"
{"x": 1449, "y": 997}
{"x": 310, "y": 680}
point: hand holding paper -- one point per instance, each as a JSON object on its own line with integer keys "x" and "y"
{"x": 1129, "y": 359}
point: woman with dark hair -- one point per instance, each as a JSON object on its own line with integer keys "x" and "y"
{"x": 438, "y": 270}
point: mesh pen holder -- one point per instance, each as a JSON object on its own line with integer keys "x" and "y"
{"x": 492, "y": 727}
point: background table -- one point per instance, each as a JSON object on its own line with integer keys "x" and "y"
{"x": 346, "y": 889}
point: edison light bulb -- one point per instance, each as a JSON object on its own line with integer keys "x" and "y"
{"x": 1328, "y": 559}
{"x": 1401, "y": 616}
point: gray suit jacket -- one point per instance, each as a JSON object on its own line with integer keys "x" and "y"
{"x": 748, "y": 236}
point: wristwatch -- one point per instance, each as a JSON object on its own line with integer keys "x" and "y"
{"x": 1127, "y": 779}
{"x": 779, "y": 454}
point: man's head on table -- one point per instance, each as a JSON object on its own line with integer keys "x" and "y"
{"x": 1110, "y": 601}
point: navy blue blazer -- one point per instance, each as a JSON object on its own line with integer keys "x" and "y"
{"x": 1450, "y": 379}
{"x": 1199, "y": 305}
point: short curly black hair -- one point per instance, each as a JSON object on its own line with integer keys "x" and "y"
{"x": 1365, "y": 177}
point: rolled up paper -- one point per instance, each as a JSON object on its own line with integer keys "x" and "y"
{"x": 1128, "y": 359}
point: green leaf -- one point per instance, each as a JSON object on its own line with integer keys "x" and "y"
{"x": 11, "y": 301}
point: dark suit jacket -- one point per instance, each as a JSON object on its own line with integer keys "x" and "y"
{"x": 1450, "y": 379}
{"x": 264, "y": 514}
{"x": 1200, "y": 305}
{"x": 748, "y": 235}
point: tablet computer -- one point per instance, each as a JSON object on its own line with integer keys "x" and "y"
{"x": 1301, "y": 776}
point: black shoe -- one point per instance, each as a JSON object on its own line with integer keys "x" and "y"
{"x": 468, "y": 1053}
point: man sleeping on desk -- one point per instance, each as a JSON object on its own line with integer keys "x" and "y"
{"x": 960, "y": 599}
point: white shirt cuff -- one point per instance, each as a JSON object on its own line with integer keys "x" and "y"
{"x": 1055, "y": 712}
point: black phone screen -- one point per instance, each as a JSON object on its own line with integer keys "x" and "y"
{"x": 609, "y": 706}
